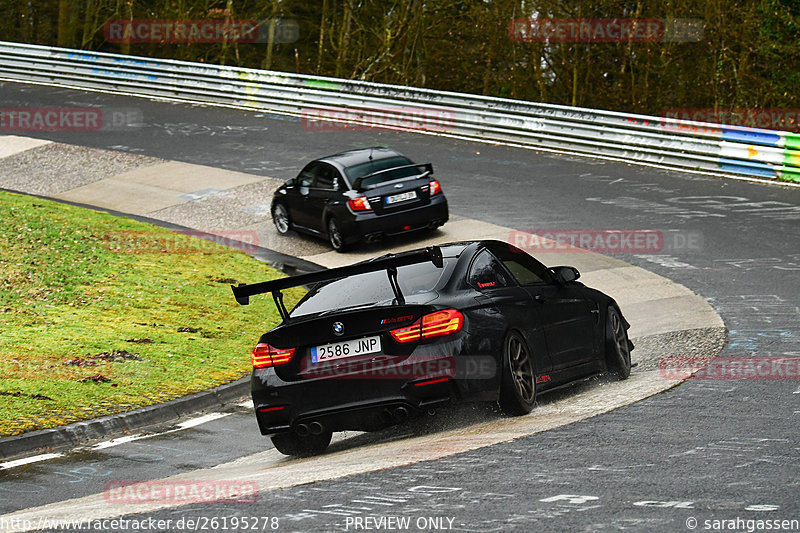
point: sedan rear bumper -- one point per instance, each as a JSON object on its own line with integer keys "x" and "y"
{"x": 350, "y": 402}
{"x": 369, "y": 225}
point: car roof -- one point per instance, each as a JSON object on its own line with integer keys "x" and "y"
{"x": 455, "y": 249}
{"x": 362, "y": 155}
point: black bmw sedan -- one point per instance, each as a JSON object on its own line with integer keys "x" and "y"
{"x": 377, "y": 342}
{"x": 360, "y": 195}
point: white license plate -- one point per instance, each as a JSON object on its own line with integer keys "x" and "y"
{"x": 340, "y": 350}
{"x": 402, "y": 197}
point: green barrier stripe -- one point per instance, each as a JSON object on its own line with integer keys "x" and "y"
{"x": 792, "y": 141}
{"x": 789, "y": 174}
{"x": 791, "y": 158}
{"x": 322, "y": 84}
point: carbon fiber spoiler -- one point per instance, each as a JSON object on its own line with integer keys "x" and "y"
{"x": 390, "y": 263}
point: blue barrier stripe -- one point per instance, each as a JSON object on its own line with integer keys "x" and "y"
{"x": 750, "y": 168}
{"x": 751, "y": 137}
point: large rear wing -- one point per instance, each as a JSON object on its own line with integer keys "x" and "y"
{"x": 426, "y": 168}
{"x": 390, "y": 263}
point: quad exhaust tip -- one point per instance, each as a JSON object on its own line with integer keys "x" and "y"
{"x": 312, "y": 428}
{"x": 401, "y": 413}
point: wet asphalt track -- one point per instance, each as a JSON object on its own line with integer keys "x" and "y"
{"x": 707, "y": 449}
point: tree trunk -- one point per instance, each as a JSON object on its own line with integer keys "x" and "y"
{"x": 321, "y": 44}
{"x": 66, "y": 23}
{"x": 344, "y": 38}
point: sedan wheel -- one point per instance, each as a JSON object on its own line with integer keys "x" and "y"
{"x": 281, "y": 219}
{"x": 618, "y": 353}
{"x": 518, "y": 391}
{"x": 335, "y": 236}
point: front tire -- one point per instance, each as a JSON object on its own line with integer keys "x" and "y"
{"x": 280, "y": 217}
{"x": 518, "y": 388}
{"x": 294, "y": 444}
{"x": 618, "y": 353}
{"x": 335, "y": 235}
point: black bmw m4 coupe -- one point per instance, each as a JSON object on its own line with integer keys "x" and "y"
{"x": 377, "y": 342}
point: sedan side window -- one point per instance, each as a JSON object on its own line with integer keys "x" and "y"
{"x": 306, "y": 177}
{"x": 325, "y": 177}
{"x": 486, "y": 272}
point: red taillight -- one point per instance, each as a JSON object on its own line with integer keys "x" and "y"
{"x": 435, "y": 187}
{"x": 431, "y": 382}
{"x": 441, "y": 323}
{"x": 431, "y": 325}
{"x": 271, "y": 409}
{"x": 265, "y": 355}
{"x": 407, "y": 334}
{"x": 359, "y": 204}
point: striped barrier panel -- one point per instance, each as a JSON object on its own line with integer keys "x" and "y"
{"x": 641, "y": 139}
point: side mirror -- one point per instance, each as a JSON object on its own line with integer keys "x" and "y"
{"x": 565, "y": 274}
{"x": 291, "y": 182}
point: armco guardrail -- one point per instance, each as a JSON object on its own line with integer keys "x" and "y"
{"x": 657, "y": 141}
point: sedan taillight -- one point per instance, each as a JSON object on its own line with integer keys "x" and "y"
{"x": 432, "y": 325}
{"x": 435, "y": 187}
{"x": 359, "y": 204}
{"x": 265, "y": 355}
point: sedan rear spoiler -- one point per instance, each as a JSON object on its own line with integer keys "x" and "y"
{"x": 390, "y": 263}
{"x": 427, "y": 169}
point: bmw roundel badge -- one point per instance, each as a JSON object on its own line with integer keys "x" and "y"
{"x": 338, "y": 328}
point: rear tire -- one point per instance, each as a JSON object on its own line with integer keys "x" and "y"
{"x": 294, "y": 444}
{"x": 518, "y": 388}
{"x": 618, "y": 353}
{"x": 335, "y": 235}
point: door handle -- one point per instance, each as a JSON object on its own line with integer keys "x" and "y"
{"x": 539, "y": 298}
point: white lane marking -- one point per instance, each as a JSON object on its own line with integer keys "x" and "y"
{"x": 29, "y": 460}
{"x": 247, "y": 404}
{"x": 116, "y": 442}
{"x": 199, "y": 420}
{"x": 186, "y": 424}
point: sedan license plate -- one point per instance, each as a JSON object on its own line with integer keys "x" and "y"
{"x": 340, "y": 350}
{"x": 402, "y": 197}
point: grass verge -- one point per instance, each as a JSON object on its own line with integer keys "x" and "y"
{"x": 93, "y": 322}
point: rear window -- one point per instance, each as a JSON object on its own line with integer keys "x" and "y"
{"x": 370, "y": 288}
{"x": 359, "y": 171}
